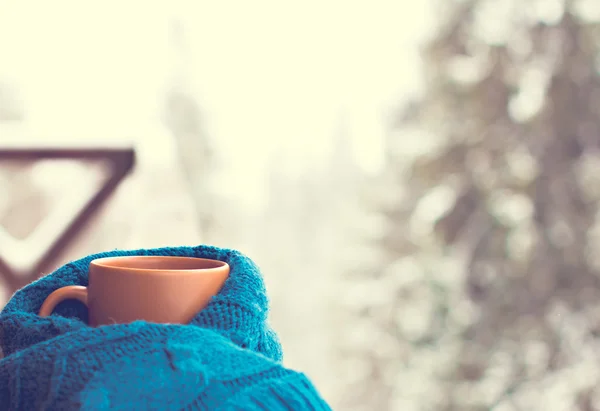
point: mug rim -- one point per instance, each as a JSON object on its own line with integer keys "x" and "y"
{"x": 113, "y": 263}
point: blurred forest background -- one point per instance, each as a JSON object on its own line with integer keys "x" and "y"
{"x": 419, "y": 184}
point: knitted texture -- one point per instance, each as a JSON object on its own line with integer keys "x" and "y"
{"x": 227, "y": 358}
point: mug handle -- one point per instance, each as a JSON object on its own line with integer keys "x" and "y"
{"x": 70, "y": 292}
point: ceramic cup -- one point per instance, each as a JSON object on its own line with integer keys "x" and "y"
{"x": 156, "y": 289}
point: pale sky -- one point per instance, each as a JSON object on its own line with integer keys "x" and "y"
{"x": 270, "y": 75}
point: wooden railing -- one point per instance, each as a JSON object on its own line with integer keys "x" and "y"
{"x": 23, "y": 261}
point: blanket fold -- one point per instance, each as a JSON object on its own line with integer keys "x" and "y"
{"x": 226, "y": 358}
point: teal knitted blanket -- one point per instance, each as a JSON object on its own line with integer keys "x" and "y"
{"x": 227, "y": 358}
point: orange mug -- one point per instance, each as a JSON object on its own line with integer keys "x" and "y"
{"x": 156, "y": 289}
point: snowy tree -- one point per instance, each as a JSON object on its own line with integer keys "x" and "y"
{"x": 491, "y": 273}
{"x": 184, "y": 119}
